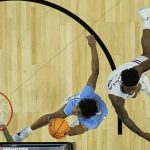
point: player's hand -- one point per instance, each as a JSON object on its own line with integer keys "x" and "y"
{"x": 146, "y": 136}
{"x": 68, "y": 133}
{"x": 3, "y": 127}
{"x": 137, "y": 90}
{"x": 91, "y": 40}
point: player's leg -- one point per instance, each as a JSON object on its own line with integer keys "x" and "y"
{"x": 145, "y": 41}
{"x": 25, "y": 132}
{"x": 42, "y": 121}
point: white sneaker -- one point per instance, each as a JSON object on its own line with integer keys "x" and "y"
{"x": 21, "y": 135}
{"x": 144, "y": 13}
{"x": 145, "y": 85}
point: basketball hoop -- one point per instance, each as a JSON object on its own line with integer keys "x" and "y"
{"x": 6, "y": 111}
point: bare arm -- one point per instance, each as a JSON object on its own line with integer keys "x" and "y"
{"x": 6, "y": 133}
{"x": 94, "y": 63}
{"x": 8, "y": 136}
{"x": 58, "y": 114}
{"x": 77, "y": 130}
{"x": 143, "y": 67}
{"x": 44, "y": 120}
{"x": 137, "y": 90}
{"x": 118, "y": 104}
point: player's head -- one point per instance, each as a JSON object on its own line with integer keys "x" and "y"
{"x": 86, "y": 108}
{"x": 130, "y": 79}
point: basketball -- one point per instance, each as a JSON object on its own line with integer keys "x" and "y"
{"x": 58, "y": 127}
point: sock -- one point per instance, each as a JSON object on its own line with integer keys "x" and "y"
{"x": 29, "y": 130}
{"x": 146, "y": 24}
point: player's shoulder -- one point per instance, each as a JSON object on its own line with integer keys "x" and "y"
{"x": 115, "y": 89}
{"x": 139, "y": 69}
{"x": 115, "y": 73}
{"x": 121, "y": 68}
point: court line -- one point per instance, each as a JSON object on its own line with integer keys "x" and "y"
{"x": 87, "y": 27}
{"x": 60, "y": 51}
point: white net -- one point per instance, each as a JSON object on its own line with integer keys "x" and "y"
{"x": 5, "y": 110}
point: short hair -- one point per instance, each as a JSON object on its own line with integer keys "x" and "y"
{"x": 88, "y": 107}
{"x": 130, "y": 77}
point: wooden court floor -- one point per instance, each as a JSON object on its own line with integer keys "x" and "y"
{"x": 45, "y": 58}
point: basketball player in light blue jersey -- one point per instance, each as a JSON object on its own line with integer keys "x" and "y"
{"x": 89, "y": 108}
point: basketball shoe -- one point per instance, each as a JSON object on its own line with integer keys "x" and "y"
{"x": 21, "y": 135}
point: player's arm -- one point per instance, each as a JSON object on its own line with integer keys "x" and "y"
{"x": 45, "y": 119}
{"x": 58, "y": 114}
{"x": 76, "y": 130}
{"x": 143, "y": 67}
{"x": 94, "y": 63}
{"x": 138, "y": 89}
{"x": 118, "y": 104}
{"x": 7, "y": 134}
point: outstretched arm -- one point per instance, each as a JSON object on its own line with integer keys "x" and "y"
{"x": 118, "y": 104}
{"x": 7, "y": 134}
{"x": 94, "y": 63}
{"x": 143, "y": 67}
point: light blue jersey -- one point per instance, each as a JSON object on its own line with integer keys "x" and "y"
{"x": 88, "y": 92}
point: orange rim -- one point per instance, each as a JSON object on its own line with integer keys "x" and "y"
{"x": 11, "y": 109}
